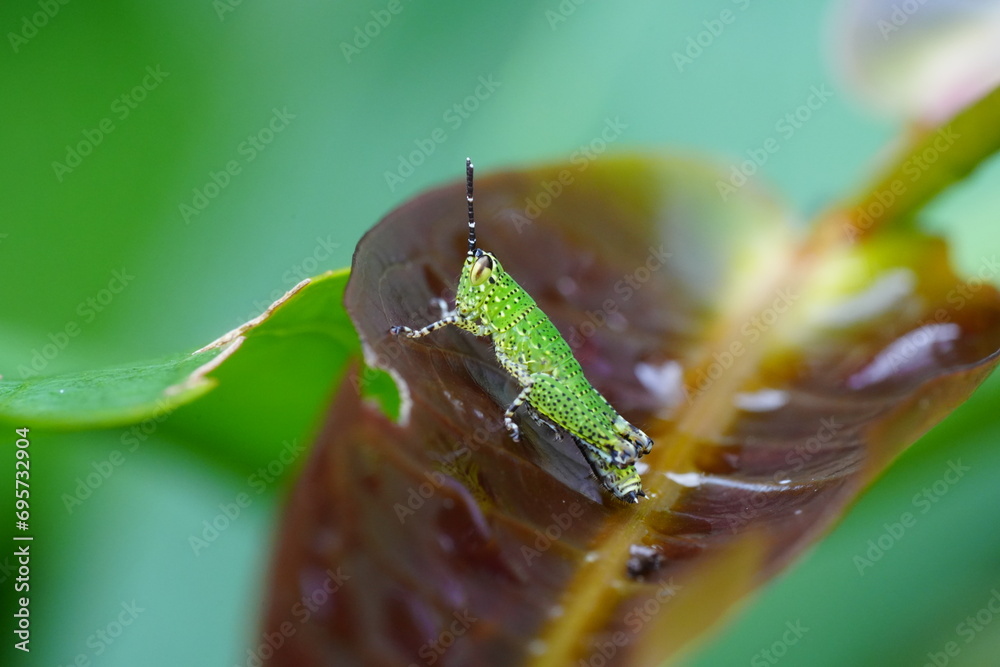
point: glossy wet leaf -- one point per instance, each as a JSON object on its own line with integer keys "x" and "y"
{"x": 777, "y": 373}
{"x": 109, "y": 396}
{"x": 275, "y": 387}
{"x": 282, "y": 362}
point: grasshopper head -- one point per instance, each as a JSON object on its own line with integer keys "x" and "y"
{"x": 479, "y": 274}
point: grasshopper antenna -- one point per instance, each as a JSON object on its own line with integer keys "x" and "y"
{"x": 468, "y": 198}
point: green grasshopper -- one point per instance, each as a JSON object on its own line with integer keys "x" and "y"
{"x": 489, "y": 302}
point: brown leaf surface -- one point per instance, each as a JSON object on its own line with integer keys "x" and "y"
{"x": 778, "y": 376}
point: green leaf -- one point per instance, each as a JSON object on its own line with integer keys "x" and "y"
{"x": 108, "y": 397}
{"x": 275, "y": 388}
{"x": 279, "y": 365}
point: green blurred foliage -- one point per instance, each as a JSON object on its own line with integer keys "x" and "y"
{"x": 299, "y": 206}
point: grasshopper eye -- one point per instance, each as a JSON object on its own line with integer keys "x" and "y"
{"x": 481, "y": 270}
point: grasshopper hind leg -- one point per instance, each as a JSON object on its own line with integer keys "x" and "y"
{"x": 508, "y": 416}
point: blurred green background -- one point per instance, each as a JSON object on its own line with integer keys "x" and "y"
{"x": 167, "y": 96}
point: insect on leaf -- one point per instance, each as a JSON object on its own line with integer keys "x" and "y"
{"x": 489, "y": 302}
{"x": 778, "y": 373}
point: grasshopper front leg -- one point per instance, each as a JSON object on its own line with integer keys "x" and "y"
{"x": 447, "y": 317}
{"x": 419, "y": 333}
